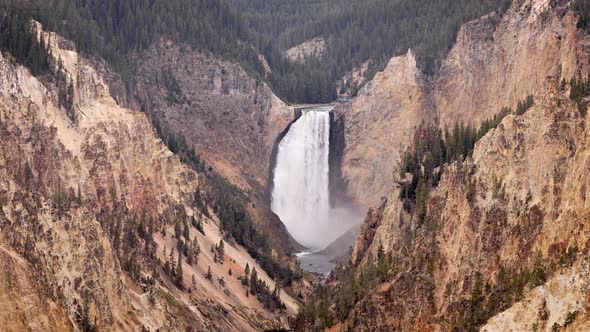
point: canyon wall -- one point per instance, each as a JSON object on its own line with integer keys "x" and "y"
{"x": 309, "y": 48}
{"x": 378, "y": 124}
{"x": 231, "y": 119}
{"x": 517, "y": 207}
{"x": 496, "y": 61}
{"x": 70, "y": 183}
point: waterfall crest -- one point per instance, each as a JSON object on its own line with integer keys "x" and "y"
{"x": 301, "y": 196}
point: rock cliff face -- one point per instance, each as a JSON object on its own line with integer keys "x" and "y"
{"x": 563, "y": 298}
{"x": 25, "y": 299}
{"x": 311, "y": 48}
{"x": 66, "y": 186}
{"x": 498, "y": 60}
{"x": 519, "y": 205}
{"x": 352, "y": 80}
{"x": 378, "y": 124}
{"x": 504, "y": 244}
{"x": 232, "y": 119}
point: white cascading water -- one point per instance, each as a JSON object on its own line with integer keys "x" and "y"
{"x": 301, "y": 196}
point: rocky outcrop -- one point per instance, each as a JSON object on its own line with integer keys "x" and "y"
{"x": 352, "y": 80}
{"x": 310, "y": 48}
{"x": 498, "y": 60}
{"x": 367, "y": 231}
{"x": 563, "y": 303}
{"x": 378, "y": 124}
{"x": 25, "y": 302}
{"x": 230, "y": 118}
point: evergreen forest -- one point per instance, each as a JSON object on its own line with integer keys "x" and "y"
{"x": 240, "y": 30}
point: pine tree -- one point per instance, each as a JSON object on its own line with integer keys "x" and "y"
{"x": 209, "y": 275}
{"x": 167, "y": 267}
{"x": 79, "y": 196}
{"x": 247, "y": 270}
{"x": 113, "y": 193}
{"x": 28, "y": 175}
{"x": 189, "y": 258}
{"x": 59, "y": 195}
{"x": 323, "y": 310}
{"x": 86, "y": 325}
{"x": 172, "y": 262}
{"x": 155, "y": 275}
{"x": 194, "y": 251}
{"x": 177, "y": 232}
{"x": 141, "y": 231}
{"x": 150, "y": 237}
{"x": 276, "y": 293}
{"x": 186, "y": 231}
{"x": 538, "y": 276}
{"x": 70, "y": 101}
{"x": 254, "y": 282}
{"x": 117, "y": 235}
{"x": 421, "y": 200}
{"x": 477, "y": 309}
{"x": 179, "y": 273}
{"x": 221, "y": 251}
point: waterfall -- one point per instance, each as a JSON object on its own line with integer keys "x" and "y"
{"x": 300, "y": 195}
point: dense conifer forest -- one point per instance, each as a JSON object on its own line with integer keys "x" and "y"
{"x": 356, "y": 31}
{"x": 239, "y": 30}
{"x": 114, "y": 28}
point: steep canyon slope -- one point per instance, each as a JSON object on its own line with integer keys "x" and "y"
{"x": 503, "y": 244}
{"x": 232, "y": 119}
{"x": 74, "y": 190}
{"x": 378, "y": 125}
{"x": 512, "y": 221}
{"x": 497, "y": 60}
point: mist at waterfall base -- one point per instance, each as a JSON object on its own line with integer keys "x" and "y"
{"x": 301, "y": 195}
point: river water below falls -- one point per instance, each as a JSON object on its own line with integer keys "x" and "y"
{"x": 316, "y": 262}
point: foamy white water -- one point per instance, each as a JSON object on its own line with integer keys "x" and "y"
{"x": 300, "y": 194}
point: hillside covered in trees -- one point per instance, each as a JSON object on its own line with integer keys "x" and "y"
{"x": 356, "y": 31}
{"x": 114, "y": 28}
{"x": 239, "y": 30}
